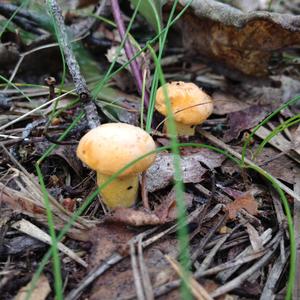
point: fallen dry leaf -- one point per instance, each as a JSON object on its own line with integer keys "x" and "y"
{"x": 244, "y": 119}
{"x": 40, "y": 292}
{"x": 118, "y": 282}
{"x": 245, "y": 201}
{"x": 165, "y": 212}
{"x": 160, "y": 174}
{"x": 133, "y": 217}
{"x": 107, "y": 239}
{"x": 282, "y": 167}
{"x": 226, "y": 103}
{"x": 241, "y": 42}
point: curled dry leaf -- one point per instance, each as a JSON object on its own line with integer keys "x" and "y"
{"x": 162, "y": 214}
{"x": 242, "y": 42}
{"x": 245, "y": 201}
{"x": 133, "y": 217}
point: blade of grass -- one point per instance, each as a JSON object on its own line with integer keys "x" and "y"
{"x": 288, "y": 123}
{"x": 25, "y": 3}
{"x": 266, "y": 120}
{"x": 182, "y": 233}
{"x": 54, "y": 249}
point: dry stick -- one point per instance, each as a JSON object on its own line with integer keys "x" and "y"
{"x": 274, "y": 276}
{"x": 168, "y": 287}
{"x": 208, "y": 236}
{"x": 265, "y": 237}
{"x": 80, "y": 83}
{"x": 222, "y": 145}
{"x": 198, "y": 291}
{"x": 281, "y": 219}
{"x": 209, "y": 258}
{"x": 236, "y": 282}
{"x": 116, "y": 257}
{"x": 135, "y": 68}
{"x": 136, "y": 273}
{"x": 33, "y": 111}
{"x": 148, "y": 290}
{"x": 296, "y": 293}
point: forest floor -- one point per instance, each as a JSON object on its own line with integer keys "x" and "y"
{"x": 217, "y": 215}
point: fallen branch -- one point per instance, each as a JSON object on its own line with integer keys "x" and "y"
{"x": 80, "y": 83}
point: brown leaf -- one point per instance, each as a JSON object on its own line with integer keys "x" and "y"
{"x": 133, "y": 217}
{"x": 243, "y": 42}
{"x": 106, "y": 239}
{"x": 166, "y": 211}
{"x": 246, "y": 201}
{"x": 242, "y": 120}
{"x": 163, "y": 213}
{"x": 160, "y": 174}
{"x": 226, "y": 103}
{"x": 282, "y": 167}
{"x": 118, "y": 282}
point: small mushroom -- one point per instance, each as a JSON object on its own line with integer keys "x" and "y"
{"x": 190, "y": 105}
{"x": 110, "y": 147}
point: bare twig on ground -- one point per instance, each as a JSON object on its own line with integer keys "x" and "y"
{"x": 23, "y": 18}
{"x": 224, "y": 146}
{"x": 32, "y": 230}
{"x": 166, "y": 288}
{"x": 265, "y": 237}
{"x": 116, "y": 257}
{"x": 208, "y": 236}
{"x": 236, "y": 282}
{"x": 196, "y": 288}
{"x": 136, "y": 273}
{"x": 274, "y": 276}
{"x": 80, "y": 83}
{"x": 209, "y": 258}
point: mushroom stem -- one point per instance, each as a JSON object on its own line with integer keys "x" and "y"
{"x": 182, "y": 129}
{"x": 121, "y": 192}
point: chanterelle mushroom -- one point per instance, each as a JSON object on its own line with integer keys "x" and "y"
{"x": 107, "y": 149}
{"x": 190, "y": 105}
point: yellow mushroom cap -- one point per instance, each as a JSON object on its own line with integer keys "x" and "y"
{"x": 190, "y": 105}
{"x": 111, "y": 146}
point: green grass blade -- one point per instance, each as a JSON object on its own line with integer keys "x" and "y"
{"x": 266, "y": 120}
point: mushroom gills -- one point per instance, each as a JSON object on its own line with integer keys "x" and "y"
{"x": 121, "y": 192}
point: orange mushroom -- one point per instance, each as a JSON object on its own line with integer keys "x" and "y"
{"x": 110, "y": 147}
{"x": 190, "y": 105}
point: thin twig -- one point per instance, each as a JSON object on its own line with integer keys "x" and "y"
{"x": 148, "y": 290}
{"x": 168, "y": 287}
{"x": 236, "y": 282}
{"x": 136, "y": 273}
{"x": 274, "y": 276}
{"x": 196, "y": 288}
{"x": 208, "y": 236}
{"x": 80, "y": 83}
{"x": 265, "y": 237}
{"x": 222, "y": 145}
{"x": 209, "y": 258}
{"x": 116, "y": 257}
